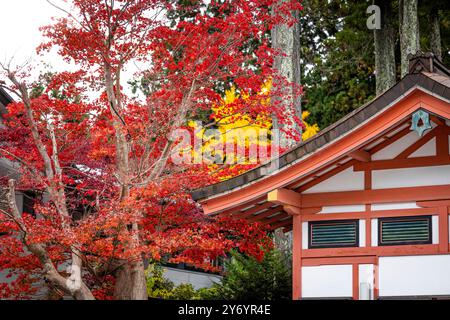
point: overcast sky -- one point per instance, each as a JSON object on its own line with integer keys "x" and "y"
{"x": 19, "y": 33}
{"x": 19, "y": 28}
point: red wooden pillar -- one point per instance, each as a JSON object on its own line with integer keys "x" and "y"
{"x": 376, "y": 289}
{"x": 297, "y": 257}
{"x": 443, "y": 229}
{"x": 355, "y": 284}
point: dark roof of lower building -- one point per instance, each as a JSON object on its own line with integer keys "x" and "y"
{"x": 5, "y": 99}
{"x": 425, "y": 71}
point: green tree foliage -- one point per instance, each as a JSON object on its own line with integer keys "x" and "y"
{"x": 158, "y": 286}
{"x": 337, "y": 53}
{"x": 424, "y": 10}
{"x": 337, "y": 50}
{"x": 245, "y": 279}
{"x": 337, "y": 57}
{"x": 249, "y": 279}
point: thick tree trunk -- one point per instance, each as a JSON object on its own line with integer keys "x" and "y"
{"x": 385, "y": 49}
{"x": 282, "y": 40}
{"x": 130, "y": 276}
{"x": 283, "y": 242}
{"x": 297, "y": 67}
{"x": 131, "y": 281}
{"x": 435, "y": 35}
{"x": 409, "y": 32}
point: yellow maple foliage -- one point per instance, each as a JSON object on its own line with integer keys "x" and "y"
{"x": 240, "y": 129}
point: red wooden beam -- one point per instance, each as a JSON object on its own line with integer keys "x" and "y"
{"x": 282, "y": 224}
{"x": 297, "y": 257}
{"x": 419, "y": 143}
{"x": 403, "y": 163}
{"x": 442, "y": 141}
{"x": 360, "y": 155}
{"x": 265, "y": 214}
{"x": 425, "y": 249}
{"x": 315, "y": 262}
{"x": 425, "y": 193}
{"x": 285, "y": 197}
{"x": 390, "y": 140}
{"x": 433, "y": 204}
{"x": 254, "y": 210}
{"x": 276, "y": 219}
{"x": 443, "y": 229}
{"x": 371, "y": 214}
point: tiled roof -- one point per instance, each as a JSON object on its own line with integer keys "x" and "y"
{"x": 5, "y": 99}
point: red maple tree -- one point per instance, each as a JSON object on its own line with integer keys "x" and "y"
{"x": 107, "y": 195}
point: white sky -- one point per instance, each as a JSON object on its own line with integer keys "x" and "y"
{"x": 19, "y": 33}
{"x": 19, "y": 29}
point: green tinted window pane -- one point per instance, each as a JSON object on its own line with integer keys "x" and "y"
{"x": 333, "y": 234}
{"x": 406, "y": 230}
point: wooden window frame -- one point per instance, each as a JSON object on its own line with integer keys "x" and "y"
{"x": 408, "y": 242}
{"x": 345, "y": 245}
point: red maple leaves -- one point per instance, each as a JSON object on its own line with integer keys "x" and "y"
{"x": 110, "y": 165}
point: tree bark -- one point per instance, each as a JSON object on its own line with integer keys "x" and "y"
{"x": 283, "y": 242}
{"x": 130, "y": 275}
{"x": 283, "y": 41}
{"x": 435, "y": 34}
{"x": 385, "y": 49}
{"x": 74, "y": 285}
{"x": 297, "y": 67}
{"x": 409, "y": 32}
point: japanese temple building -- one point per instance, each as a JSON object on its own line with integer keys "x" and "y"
{"x": 367, "y": 199}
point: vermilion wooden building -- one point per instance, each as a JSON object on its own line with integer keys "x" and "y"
{"x": 367, "y": 200}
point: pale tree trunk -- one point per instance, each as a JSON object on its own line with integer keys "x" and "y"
{"x": 297, "y": 67}
{"x": 283, "y": 242}
{"x": 409, "y": 32}
{"x": 130, "y": 275}
{"x": 55, "y": 187}
{"x": 74, "y": 285}
{"x": 385, "y": 49}
{"x": 282, "y": 40}
{"x": 435, "y": 34}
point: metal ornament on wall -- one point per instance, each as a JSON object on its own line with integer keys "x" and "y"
{"x": 421, "y": 122}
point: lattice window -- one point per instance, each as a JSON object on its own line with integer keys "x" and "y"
{"x": 332, "y": 234}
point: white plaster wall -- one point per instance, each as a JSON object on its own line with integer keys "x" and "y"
{"x": 362, "y": 233}
{"x": 366, "y": 281}
{"x": 394, "y": 206}
{"x": 428, "y": 149}
{"x": 334, "y": 281}
{"x": 347, "y": 180}
{"x": 397, "y": 147}
{"x": 414, "y": 276}
{"x": 305, "y": 235}
{"x": 411, "y": 177}
{"x": 340, "y": 209}
{"x": 197, "y": 279}
{"x": 374, "y": 233}
{"x": 435, "y": 229}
